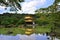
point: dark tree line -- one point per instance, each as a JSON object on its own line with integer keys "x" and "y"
{"x": 7, "y": 19}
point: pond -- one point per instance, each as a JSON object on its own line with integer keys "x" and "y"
{"x": 26, "y": 37}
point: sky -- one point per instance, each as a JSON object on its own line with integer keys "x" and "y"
{"x": 30, "y": 6}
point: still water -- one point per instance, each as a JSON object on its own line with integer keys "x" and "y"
{"x": 26, "y": 37}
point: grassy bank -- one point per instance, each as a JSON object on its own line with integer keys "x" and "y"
{"x": 17, "y": 30}
{"x": 13, "y": 30}
{"x": 38, "y": 29}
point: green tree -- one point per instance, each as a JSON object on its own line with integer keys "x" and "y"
{"x": 20, "y": 22}
{"x": 15, "y": 3}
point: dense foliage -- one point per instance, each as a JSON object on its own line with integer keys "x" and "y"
{"x": 40, "y": 19}
{"x": 11, "y": 19}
